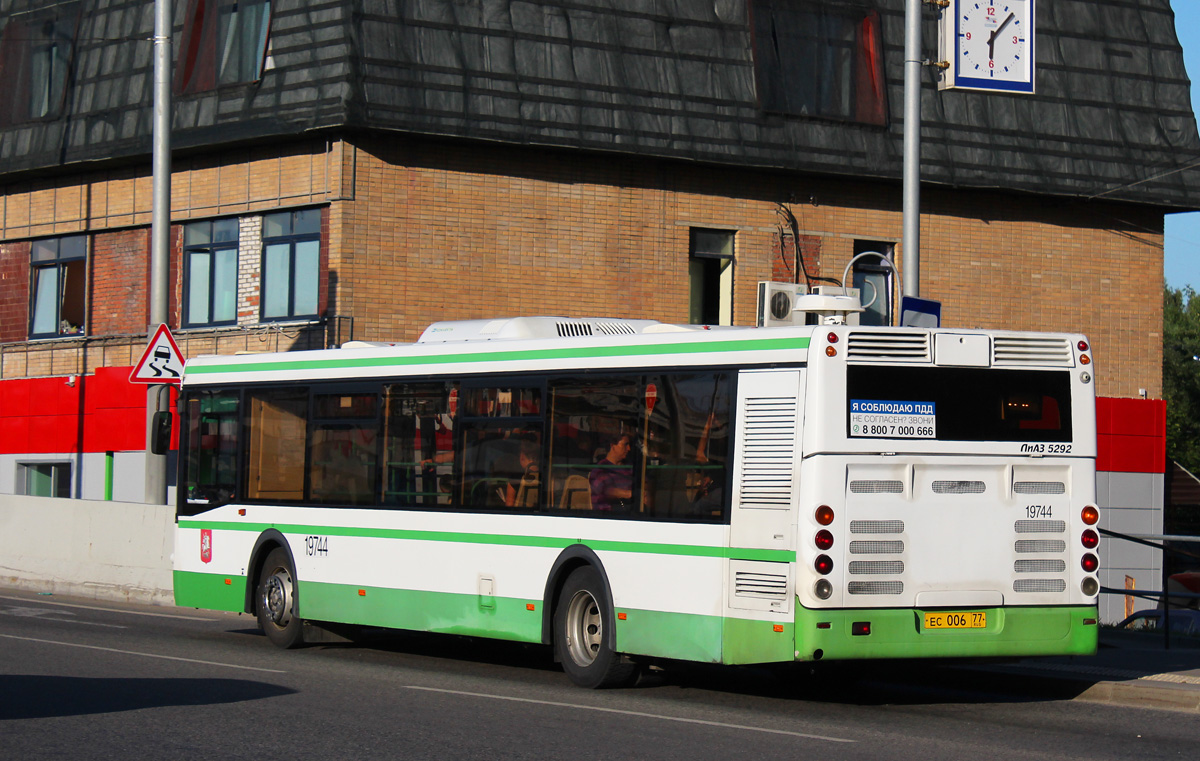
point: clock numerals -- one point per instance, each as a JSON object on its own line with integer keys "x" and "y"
{"x": 991, "y": 42}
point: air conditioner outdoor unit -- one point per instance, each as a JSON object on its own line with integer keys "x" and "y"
{"x": 777, "y": 304}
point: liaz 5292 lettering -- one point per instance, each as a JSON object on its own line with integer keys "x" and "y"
{"x": 624, "y": 490}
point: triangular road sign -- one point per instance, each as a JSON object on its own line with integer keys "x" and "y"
{"x": 162, "y": 362}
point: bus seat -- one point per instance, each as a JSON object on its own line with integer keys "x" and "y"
{"x": 577, "y": 494}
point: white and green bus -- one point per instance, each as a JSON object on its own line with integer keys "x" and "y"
{"x": 626, "y": 490}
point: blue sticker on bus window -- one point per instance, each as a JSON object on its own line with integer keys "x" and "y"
{"x": 893, "y": 419}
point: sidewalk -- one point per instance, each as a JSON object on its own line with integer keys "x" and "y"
{"x": 1130, "y": 669}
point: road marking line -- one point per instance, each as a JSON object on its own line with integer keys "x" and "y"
{"x": 106, "y": 610}
{"x": 146, "y": 655}
{"x": 639, "y": 714}
{"x": 40, "y": 615}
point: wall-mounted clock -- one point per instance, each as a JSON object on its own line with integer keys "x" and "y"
{"x": 988, "y": 45}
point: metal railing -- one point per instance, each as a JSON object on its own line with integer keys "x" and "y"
{"x": 1163, "y": 596}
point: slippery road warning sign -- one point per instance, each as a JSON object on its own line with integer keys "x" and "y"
{"x": 162, "y": 362}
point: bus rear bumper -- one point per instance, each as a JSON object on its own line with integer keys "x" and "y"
{"x": 902, "y": 633}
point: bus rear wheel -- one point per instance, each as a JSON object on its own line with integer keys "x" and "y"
{"x": 276, "y": 598}
{"x": 580, "y": 619}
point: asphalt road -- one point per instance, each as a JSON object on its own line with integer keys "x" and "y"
{"x": 81, "y": 680}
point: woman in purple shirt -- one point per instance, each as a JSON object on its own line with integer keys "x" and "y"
{"x": 612, "y": 483}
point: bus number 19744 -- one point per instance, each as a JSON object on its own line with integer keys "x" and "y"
{"x": 316, "y": 545}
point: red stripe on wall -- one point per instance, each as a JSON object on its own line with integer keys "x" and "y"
{"x": 1131, "y": 435}
{"x": 43, "y": 415}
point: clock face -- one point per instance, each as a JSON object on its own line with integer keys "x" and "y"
{"x": 992, "y": 45}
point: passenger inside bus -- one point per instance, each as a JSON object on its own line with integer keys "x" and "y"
{"x": 524, "y": 492}
{"x": 611, "y": 480}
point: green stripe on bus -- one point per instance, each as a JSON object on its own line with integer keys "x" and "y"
{"x": 418, "y": 610}
{"x": 694, "y": 637}
{"x": 899, "y": 633}
{"x": 705, "y": 639}
{"x": 574, "y": 352}
{"x": 601, "y": 545}
{"x": 210, "y": 591}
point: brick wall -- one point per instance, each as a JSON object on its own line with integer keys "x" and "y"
{"x": 422, "y": 230}
{"x": 120, "y": 265}
{"x": 447, "y": 231}
{"x": 228, "y": 182}
{"x": 14, "y": 291}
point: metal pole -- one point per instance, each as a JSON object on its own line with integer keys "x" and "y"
{"x": 160, "y": 229}
{"x": 913, "y": 61}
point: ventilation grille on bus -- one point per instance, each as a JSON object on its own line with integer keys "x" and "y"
{"x": 959, "y": 487}
{"x": 761, "y": 586}
{"x": 574, "y": 329}
{"x": 877, "y": 567}
{"x": 882, "y": 547}
{"x": 1039, "y": 585}
{"x": 615, "y": 329}
{"x": 1041, "y": 545}
{"x": 768, "y": 459}
{"x": 876, "y": 487}
{"x": 1040, "y": 527}
{"x": 876, "y": 527}
{"x": 875, "y": 587}
{"x": 894, "y": 347}
{"x": 1040, "y": 487}
{"x": 1031, "y": 350}
{"x": 1040, "y": 566}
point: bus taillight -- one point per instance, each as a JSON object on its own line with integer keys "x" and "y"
{"x": 824, "y": 515}
{"x": 1089, "y": 562}
{"x": 1090, "y": 515}
{"x": 824, "y": 539}
{"x": 1090, "y": 539}
{"x": 822, "y": 589}
{"x": 823, "y": 564}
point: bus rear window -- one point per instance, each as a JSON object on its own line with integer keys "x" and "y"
{"x": 958, "y": 404}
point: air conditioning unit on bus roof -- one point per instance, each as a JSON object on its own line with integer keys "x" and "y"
{"x": 542, "y": 327}
{"x": 781, "y": 304}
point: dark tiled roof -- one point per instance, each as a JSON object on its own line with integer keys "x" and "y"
{"x": 668, "y": 78}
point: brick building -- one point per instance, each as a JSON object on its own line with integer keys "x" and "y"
{"x": 361, "y": 168}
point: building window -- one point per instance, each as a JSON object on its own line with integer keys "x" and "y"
{"x": 224, "y": 42}
{"x": 45, "y": 479}
{"x": 820, "y": 58}
{"x": 36, "y": 51}
{"x": 710, "y": 277}
{"x": 873, "y": 279}
{"x": 59, "y": 268}
{"x": 291, "y": 264}
{"x": 210, "y": 269}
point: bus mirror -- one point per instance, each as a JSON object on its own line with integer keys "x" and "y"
{"x": 160, "y": 433}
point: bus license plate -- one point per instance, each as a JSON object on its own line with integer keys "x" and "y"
{"x": 974, "y": 619}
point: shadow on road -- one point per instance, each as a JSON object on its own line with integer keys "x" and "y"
{"x": 26, "y": 696}
{"x": 884, "y": 682}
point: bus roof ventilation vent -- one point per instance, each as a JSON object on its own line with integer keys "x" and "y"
{"x": 1031, "y": 350}
{"x": 615, "y": 328}
{"x": 574, "y": 329}
{"x": 868, "y": 346}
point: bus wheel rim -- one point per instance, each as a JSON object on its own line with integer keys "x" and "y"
{"x": 585, "y": 628}
{"x": 277, "y": 597}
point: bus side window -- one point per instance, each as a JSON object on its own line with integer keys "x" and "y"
{"x": 418, "y": 433}
{"x": 211, "y": 456}
{"x": 277, "y": 419}
{"x": 343, "y": 458}
{"x": 687, "y": 446}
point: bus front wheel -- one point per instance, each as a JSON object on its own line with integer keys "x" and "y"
{"x": 277, "y": 601}
{"x": 580, "y": 619}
